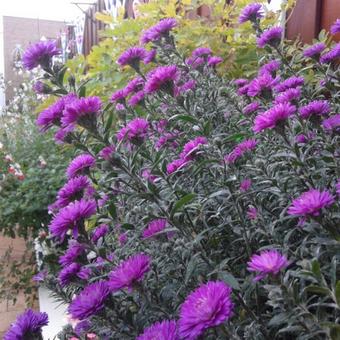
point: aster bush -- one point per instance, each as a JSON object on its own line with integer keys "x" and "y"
{"x": 209, "y": 208}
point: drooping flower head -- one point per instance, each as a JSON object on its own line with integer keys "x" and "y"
{"x": 83, "y": 111}
{"x": 75, "y": 189}
{"x": 99, "y": 232}
{"x": 119, "y": 96}
{"x": 165, "y": 330}
{"x": 74, "y": 252}
{"x": 175, "y": 165}
{"x": 162, "y": 78}
{"x": 27, "y": 326}
{"x": 107, "y": 152}
{"x": 161, "y": 29}
{"x": 315, "y": 108}
{"x": 52, "y": 115}
{"x": 271, "y": 36}
{"x": 273, "y": 117}
{"x": 314, "y": 51}
{"x": 214, "y": 61}
{"x": 201, "y": 52}
{"x": 90, "y": 301}
{"x": 135, "y": 131}
{"x": 154, "y": 227}
{"x": 335, "y": 28}
{"x": 191, "y": 148}
{"x": 240, "y": 149}
{"x": 134, "y": 85}
{"x": 250, "y": 108}
{"x": 331, "y": 56}
{"x": 40, "y": 54}
{"x": 267, "y": 262}
{"x": 73, "y": 272}
{"x": 137, "y": 98}
{"x": 289, "y": 83}
{"x": 262, "y": 85}
{"x": 332, "y": 123}
{"x": 288, "y": 96}
{"x": 129, "y": 272}
{"x": 271, "y": 67}
{"x": 251, "y": 12}
{"x": 71, "y": 218}
{"x": 310, "y": 203}
{"x": 80, "y": 165}
{"x": 208, "y": 306}
{"x": 132, "y": 57}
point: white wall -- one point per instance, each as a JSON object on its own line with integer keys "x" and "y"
{"x": 56, "y": 314}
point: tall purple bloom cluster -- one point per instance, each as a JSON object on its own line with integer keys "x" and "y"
{"x": 40, "y": 54}
{"x": 208, "y": 306}
{"x": 27, "y": 326}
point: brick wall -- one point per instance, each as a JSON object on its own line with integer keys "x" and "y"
{"x": 23, "y": 31}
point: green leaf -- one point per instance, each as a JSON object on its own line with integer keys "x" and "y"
{"x": 185, "y": 118}
{"x": 337, "y": 293}
{"x": 182, "y": 202}
{"x": 229, "y": 279}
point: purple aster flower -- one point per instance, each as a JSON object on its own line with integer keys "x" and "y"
{"x": 154, "y": 227}
{"x": 310, "y": 203}
{"x": 165, "y": 330}
{"x": 107, "y": 152}
{"x": 331, "y": 123}
{"x": 129, "y": 272}
{"x": 27, "y": 326}
{"x": 301, "y": 139}
{"x": 75, "y": 189}
{"x": 71, "y": 218}
{"x": 191, "y": 148}
{"x": 136, "y": 130}
{"x": 52, "y": 115}
{"x": 162, "y": 78}
{"x": 71, "y": 272}
{"x": 137, "y": 98}
{"x": 122, "y": 238}
{"x": 208, "y": 306}
{"x": 270, "y": 67}
{"x": 119, "y": 96}
{"x": 134, "y": 85}
{"x": 195, "y": 62}
{"x": 74, "y": 252}
{"x": 262, "y": 85}
{"x": 245, "y": 185}
{"x": 83, "y": 111}
{"x": 120, "y": 107}
{"x": 271, "y": 36}
{"x": 187, "y": 86}
{"x": 201, "y": 52}
{"x": 289, "y": 83}
{"x": 168, "y": 139}
{"x": 273, "y": 117}
{"x": 250, "y": 108}
{"x": 314, "y": 51}
{"x": 132, "y": 56}
{"x": 335, "y": 28}
{"x": 252, "y": 213}
{"x": 90, "y": 301}
{"x": 40, "y": 54}
{"x": 267, "y": 262}
{"x": 214, "y": 61}
{"x": 251, "y": 12}
{"x": 161, "y": 29}
{"x": 82, "y": 327}
{"x": 63, "y": 135}
{"x": 80, "y": 165}
{"x": 288, "y": 96}
{"x": 40, "y": 277}
{"x": 242, "y": 91}
{"x": 150, "y": 56}
{"x": 175, "y": 165}
{"x": 331, "y": 56}
{"x": 99, "y": 232}
{"x": 241, "y": 82}
{"x": 147, "y": 174}
{"x": 315, "y": 108}
{"x": 39, "y": 87}
{"x": 243, "y": 147}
